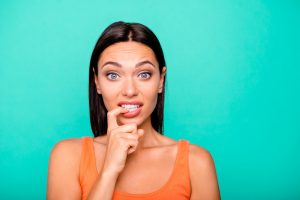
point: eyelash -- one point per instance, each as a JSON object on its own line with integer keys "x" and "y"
{"x": 109, "y": 73}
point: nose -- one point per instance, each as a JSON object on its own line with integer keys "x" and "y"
{"x": 129, "y": 88}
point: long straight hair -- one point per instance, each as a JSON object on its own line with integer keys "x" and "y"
{"x": 121, "y": 32}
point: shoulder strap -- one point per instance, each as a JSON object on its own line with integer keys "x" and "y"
{"x": 83, "y": 159}
{"x": 183, "y": 152}
{"x": 182, "y": 175}
{"x": 87, "y": 157}
{"x": 87, "y": 172}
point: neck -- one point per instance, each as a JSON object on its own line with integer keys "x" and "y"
{"x": 150, "y": 138}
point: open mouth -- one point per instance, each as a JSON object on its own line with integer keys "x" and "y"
{"x": 131, "y": 107}
{"x": 134, "y": 108}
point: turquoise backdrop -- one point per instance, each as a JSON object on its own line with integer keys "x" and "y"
{"x": 233, "y": 86}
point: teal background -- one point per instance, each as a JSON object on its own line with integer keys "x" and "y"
{"x": 232, "y": 86}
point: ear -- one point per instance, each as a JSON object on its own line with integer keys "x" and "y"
{"x": 97, "y": 82}
{"x": 162, "y": 79}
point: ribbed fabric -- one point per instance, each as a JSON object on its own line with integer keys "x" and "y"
{"x": 177, "y": 187}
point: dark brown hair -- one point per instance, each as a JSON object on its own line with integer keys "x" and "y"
{"x": 121, "y": 32}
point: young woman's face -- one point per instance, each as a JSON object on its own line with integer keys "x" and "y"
{"x": 129, "y": 71}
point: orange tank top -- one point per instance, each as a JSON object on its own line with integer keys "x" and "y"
{"x": 177, "y": 187}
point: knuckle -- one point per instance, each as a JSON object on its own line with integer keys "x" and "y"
{"x": 133, "y": 125}
{"x": 132, "y": 136}
{"x": 123, "y": 143}
{"x": 136, "y": 137}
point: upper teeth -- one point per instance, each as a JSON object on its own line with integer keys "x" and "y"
{"x": 130, "y": 106}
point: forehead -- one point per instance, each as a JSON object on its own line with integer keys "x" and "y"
{"x": 127, "y": 51}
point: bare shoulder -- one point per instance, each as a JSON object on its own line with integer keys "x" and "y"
{"x": 66, "y": 153}
{"x": 64, "y": 162}
{"x": 67, "y": 148}
{"x": 200, "y": 157}
{"x": 68, "y": 144}
{"x": 203, "y": 174}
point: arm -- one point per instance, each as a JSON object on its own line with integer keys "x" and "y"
{"x": 104, "y": 186}
{"x": 63, "y": 175}
{"x": 203, "y": 175}
{"x": 121, "y": 141}
{"x": 63, "y": 171}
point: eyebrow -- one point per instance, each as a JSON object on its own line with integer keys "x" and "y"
{"x": 119, "y": 65}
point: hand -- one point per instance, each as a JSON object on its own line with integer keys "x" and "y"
{"x": 121, "y": 141}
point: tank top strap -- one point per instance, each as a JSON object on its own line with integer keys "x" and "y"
{"x": 84, "y": 156}
{"x": 181, "y": 179}
{"x": 183, "y": 152}
{"x": 178, "y": 186}
{"x": 87, "y": 162}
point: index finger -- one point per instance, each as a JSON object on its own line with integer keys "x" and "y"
{"x": 112, "y": 117}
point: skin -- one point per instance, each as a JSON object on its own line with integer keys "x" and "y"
{"x": 130, "y": 143}
{"x": 131, "y": 83}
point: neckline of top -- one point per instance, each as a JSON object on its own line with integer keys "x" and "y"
{"x": 174, "y": 169}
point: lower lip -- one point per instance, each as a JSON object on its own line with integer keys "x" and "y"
{"x": 133, "y": 113}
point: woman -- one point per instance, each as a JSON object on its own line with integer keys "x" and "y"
{"x": 129, "y": 157}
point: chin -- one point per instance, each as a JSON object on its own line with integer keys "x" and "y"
{"x": 125, "y": 120}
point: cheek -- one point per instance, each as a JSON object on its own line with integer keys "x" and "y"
{"x": 150, "y": 95}
{"x": 151, "y": 101}
{"x": 109, "y": 94}
{"x": 107, "y": 102}
{"x": 154, "y": 102}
